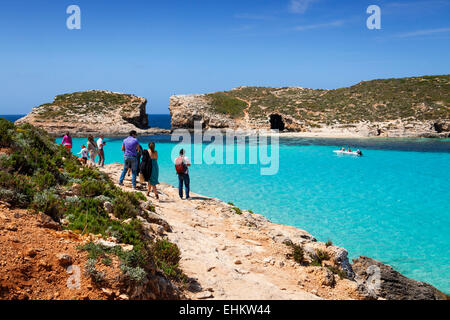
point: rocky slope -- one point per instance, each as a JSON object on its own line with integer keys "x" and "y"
{"x": 40, "y": 261}
{"x": 415, "y": 107}
{"x": 92, "y": 112}
{"x": 67, "y": 232}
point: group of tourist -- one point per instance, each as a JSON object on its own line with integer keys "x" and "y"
{"x": 137, "y": 162}
{"x": 89, "y": 153}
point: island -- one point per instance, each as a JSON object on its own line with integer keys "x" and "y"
{"x": 92, "y": 112}
{"x": 405, "y": 107}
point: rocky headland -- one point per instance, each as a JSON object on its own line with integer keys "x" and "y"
{"x": 406, "y": 107}
{"x": 92, "y": 112}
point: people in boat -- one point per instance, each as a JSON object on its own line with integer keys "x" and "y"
{"x": 359, "y": 152}
{"x": 349, "y": 150}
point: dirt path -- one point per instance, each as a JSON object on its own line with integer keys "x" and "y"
{"x": 235, "y": 256}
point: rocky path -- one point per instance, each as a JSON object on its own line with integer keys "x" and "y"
{"x": 235, "y": 256}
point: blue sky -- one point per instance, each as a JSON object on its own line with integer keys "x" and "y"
{"x": 159, "y": 48}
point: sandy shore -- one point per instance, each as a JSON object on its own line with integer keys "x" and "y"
{"x": 235, "y": 256}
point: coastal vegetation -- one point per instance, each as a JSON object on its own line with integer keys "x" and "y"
{"x": 87, "y": 102}
{"x": 38, "y": 175}
{"x": 227, "y": 104}
{"x": 415, "y": 98}
{"x": 316, "y": 260}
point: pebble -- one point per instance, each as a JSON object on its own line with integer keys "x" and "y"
{"x": 205, "y": 295}
{"x": 237, "y": 261}
{"x": 64, "y": 259}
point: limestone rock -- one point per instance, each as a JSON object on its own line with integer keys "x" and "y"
{"x": 64, "y": 259}
{"x": 92, "y": 112}
{"x": 154, "y": 218}
{"x": 377, "y": 280}
{"x": 108, "y": 207}
{"x": 46, "y": 222}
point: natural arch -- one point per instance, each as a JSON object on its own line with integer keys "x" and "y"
{"x": 276, "y": 122}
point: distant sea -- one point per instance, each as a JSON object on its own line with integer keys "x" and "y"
{"x": 155, "y": 120}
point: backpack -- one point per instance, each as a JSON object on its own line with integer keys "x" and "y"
{"x": 180, "y": 165}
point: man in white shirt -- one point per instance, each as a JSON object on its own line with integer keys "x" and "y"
{"x": 101, "y": 153}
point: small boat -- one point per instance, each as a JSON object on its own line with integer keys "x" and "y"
{"x": 351, "y": 153}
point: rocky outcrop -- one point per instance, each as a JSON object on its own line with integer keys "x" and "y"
{"x": 92, "y": 112}
{"x": 186, "y": 109}
{"x": 377, "y": 280}
{"x": 408, "y": 107}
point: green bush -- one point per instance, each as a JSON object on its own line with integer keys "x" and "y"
{"x": 48, "y": 203}
{"x": 126, "y": 205}
{"x": 133, "y": 263}
{"x": 44, "y": 180}
{"x": 320, "y": 257}
{"x": 92, "y": 188}
{"x": 226, "y": 104}
{"x": 298, "y": 253}
{"x": 337, "y": 271}
{"x": 167, "y": 257}
{"x": 5, "y": 134}
{"x": 15, "y": 189}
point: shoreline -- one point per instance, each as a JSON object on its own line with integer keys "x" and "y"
{"x": 317, "y": 134}
{"x": 242, "y": 251}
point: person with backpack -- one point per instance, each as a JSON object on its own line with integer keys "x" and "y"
{"x": 145, "y": 170}
{"x": 182, "y": 165}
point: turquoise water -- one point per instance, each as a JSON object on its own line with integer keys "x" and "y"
{"x": 393, "y": 204}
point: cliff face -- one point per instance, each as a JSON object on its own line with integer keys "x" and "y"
{"x": 91, "y": 112}
{"x": 186, "y": 109}
{"x": 418, "y": 106}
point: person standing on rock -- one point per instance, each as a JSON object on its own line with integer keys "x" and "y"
{"x": 67, "y": 142}
{"x": 101, "y": 153}
{"x": 182, "y": 165}
{"x": 130, "y": 147}
{"x": 92, "y": 150}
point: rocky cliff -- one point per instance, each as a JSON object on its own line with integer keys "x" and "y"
{"x": 417, "y": 107}
{"x": 92, "y": 112}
